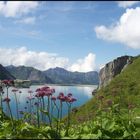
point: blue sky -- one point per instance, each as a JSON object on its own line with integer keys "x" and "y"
{"x": 79, "y": 36}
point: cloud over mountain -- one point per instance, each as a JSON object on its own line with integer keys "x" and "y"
{"x": 44, "y": 60}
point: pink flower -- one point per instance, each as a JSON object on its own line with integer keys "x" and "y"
{"x": 30, "y": 91}
{"x": 53, "y": 90}
{"x": 45, "y": 88}
{"x": 61, "y": 94}
{"x": 48, "y": 92}
{"x": 109, "y": 102}
{"x": 72, "y": 100}
{"x": 61, "y": 98}
{"x": 8, "y": 82}
{"x": 1, "y": 89}
{"x": 36, "y": 104}
{"x": 53, "y": 98}
{"x": 5, "y": 81}
{"x": 38, "y": 89}
{"x": 6, "y": 100}
{"x": 100, "y": 97}
{"x": 67, "y": 99}
{"x": 14, "y": 90}
{"x": 69, "y": 94}
{"x": 30, "y": 98}
{"x": 41, "y": 94}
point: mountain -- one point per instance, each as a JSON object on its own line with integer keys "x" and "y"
{"x": 113, "y": 68}
{"x": 123, "y": 89}
{"x": 62, "y": 76}
{"x": 53, "y": 75}
{"x": 28, "y": 73}
{"x": 4, "y": 74}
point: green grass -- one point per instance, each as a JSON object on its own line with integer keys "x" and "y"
{"x": 95, "y": 119}
{"x": 123, "y": 89}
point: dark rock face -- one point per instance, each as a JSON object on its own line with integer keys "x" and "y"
{"x": 112, "y": 69}
{"x": 53, "y": 76}
{"x": 62, "y": 76}
{"x": 4, "y": 74}
{"x": 28, "y": 73}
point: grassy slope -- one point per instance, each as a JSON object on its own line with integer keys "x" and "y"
{"x": 123, "y": 89}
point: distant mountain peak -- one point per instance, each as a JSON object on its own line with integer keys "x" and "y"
{"x": 55, "y": 75}
{"x": 4, "y": 74}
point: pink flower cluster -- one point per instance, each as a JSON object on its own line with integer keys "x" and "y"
{"x": 6, "y": 100}
{"x": 44, "y": 91}
{"x": 67, "y": 98}
{"x": 14, "y": 90}
{"x": 8, "y": 82}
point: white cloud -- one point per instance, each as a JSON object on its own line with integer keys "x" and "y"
{"x": 38, "y": 60}
{"x": 17, "y": 8}
{"x": 125, "y": 31}
{"x": 84, "y": 65}
{"x": 44, "y": 60}
{"x": 126, "y": 4}
{"x": 27, "y": 20}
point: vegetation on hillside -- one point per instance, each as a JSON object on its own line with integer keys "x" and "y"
{"x": 112, "y": 113}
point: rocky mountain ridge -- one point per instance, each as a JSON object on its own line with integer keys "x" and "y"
{"x": 53, "y": 75}
{"x": 113, "y": 68}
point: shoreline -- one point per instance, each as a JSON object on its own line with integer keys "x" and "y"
{"x": 80, "y": 85}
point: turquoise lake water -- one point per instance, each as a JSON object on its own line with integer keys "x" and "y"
{"x": 81, "y": 93}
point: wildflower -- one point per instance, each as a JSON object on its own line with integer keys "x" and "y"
{"x": 48, "y": 92}
{"x": 14, "y": 90}
{"x": 61, "y": 94}
{"x": 69, "y": 94}
{"x": 67, "y": 98}
{"x": 109, "y": 102}
{"x": 45, "y": 88}
{"x": 30, "y": 98}
{"x": 130, "y": 106}
{"x": 8, "y": 82}
{"x": 38, "y": 89}
{"x": 6, "y": 100}
{"x": 53, "y": 90}
{"x": 72, "y": 100}
{"x": 1, "y": 89}
{"x": 53, "y": 98}
{"x": 40, "y": 94}
{"x": 36, "y": 104}
{"x": 100, "y": 97}
{"x": 61, "y": 98}
{"x": 30, "y": 91}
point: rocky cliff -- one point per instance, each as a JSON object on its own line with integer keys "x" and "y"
{"x": 53, "y": 75}
{"x": 4, "y": 74}
{"x": 28, "y": 73}
{"x": 111, "y": 69}
{"x": 62, "y": 76}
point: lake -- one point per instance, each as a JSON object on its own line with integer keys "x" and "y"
{"x": 82, "y": 93}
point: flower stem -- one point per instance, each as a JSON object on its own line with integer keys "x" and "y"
{"x": 16, "y": 105}
{"x": 10, "y": 114}
{"x": 49, "y": 111}
{"x": 38, "y": 117}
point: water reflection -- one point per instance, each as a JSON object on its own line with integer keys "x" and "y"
{"x": 81, "y": 93}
